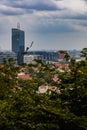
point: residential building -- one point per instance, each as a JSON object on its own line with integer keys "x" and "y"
{"x": 24, "y": 76}
{"x": 44, "y": 89}
{"x": 29, "y": 59}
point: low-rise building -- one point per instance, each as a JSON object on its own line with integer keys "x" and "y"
{"x": 29, "y": 59}
{"x": 24, "y": 76}
{"x": 44, "y": 89}
{"x": 7, "y": 55}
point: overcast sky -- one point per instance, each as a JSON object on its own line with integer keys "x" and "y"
{"x": 51, "y": 24}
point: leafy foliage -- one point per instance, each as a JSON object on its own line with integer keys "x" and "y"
{"x": 25, "y": 109}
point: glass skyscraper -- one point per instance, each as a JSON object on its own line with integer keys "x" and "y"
{"x": 18, "y": 43}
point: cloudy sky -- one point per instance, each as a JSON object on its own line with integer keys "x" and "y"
{"x": 51, "y": 24}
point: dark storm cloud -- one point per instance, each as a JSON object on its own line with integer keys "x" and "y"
{"x": 12, "y": 13}
{"x": 75, "y": 16}
{"x": 19, "y": 7}
{"x": 34, "y": 5}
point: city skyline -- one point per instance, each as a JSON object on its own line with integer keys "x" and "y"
{"x": 51, "y": 24}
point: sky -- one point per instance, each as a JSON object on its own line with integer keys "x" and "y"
{"x": 51, "y": 24}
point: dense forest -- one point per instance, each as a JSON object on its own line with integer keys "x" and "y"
{"x": 23, "y": 108}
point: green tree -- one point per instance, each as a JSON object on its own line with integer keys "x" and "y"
{"x": 24, "y": 108}
{"x": 84, "y": 53}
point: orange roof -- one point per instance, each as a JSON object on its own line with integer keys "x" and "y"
{"x": 23, "y": 69}
{"x": 62, "y": 65}
{"x": 58, "y": 64}
{"x": 42, "y": 87}
{"x": 24, "y": 76}
{"x": 35, "y": 69}
{"x": 55, "y": 79}
{"x": 50, "y": 87}
{"x": 1, "y": 65}
{"x": 46, "y": 87}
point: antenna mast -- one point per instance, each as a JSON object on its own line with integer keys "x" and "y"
{"x": 18, "y": 26}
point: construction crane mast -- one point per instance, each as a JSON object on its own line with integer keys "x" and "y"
{"x": 27, "y": 48}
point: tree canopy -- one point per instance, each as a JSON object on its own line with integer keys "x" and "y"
{"x": 23, "y": 108}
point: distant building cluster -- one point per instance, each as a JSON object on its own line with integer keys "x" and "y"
{"x": 45, "y": 55}
{"x": 18, "y": 51}
{"x": 7, "y": 55}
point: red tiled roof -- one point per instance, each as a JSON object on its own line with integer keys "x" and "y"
{"x": 46, "y": 87}
{"x": 23, "y": 69}
{"x": 35, "y": 69}
{"x": 24, "y": 76}
{"x": 55, "y": 79}
{"x": 50, "y": 87}
{"x": 42, "y": 87}
{"x": 62, "y": 65}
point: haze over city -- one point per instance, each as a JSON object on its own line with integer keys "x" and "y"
{"x": 51, "y": 24}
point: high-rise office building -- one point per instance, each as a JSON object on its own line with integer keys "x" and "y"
{"x": 18, "y": 43}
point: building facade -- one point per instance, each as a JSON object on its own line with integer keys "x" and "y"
{"x": 29, "y": 59}
{"x": 45, "y": 55}
{"x": 18, "y": 43}
{"x": 7, "y": 55}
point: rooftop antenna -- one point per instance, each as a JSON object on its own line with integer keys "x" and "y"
{"x": 18, "y": 26}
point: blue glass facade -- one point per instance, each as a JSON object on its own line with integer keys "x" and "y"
{"x": 18, "y": 43}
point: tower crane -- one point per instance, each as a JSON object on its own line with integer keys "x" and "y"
{"x": 27, "y": 48}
